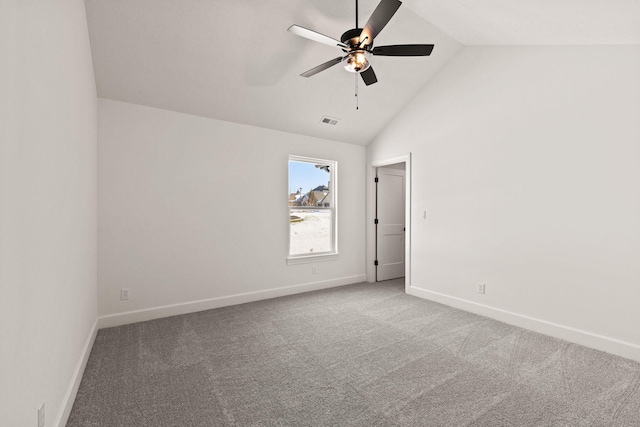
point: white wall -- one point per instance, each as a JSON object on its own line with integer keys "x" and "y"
{"x": 193, "y": 211}
{"x": 48, "y": 171}
{"x": 527, "y": 161}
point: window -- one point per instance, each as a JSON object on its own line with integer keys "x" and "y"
{"x": 312, "y": 209}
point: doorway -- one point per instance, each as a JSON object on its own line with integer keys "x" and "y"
{"x": 402, "y": 241}
{"x": 390, "y": 221}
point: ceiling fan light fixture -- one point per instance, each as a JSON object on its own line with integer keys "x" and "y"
{"x": 357, "y": 61}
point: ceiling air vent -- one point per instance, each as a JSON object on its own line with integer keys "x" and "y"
{"x": 329, "y": 121}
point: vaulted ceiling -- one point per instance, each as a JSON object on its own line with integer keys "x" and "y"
{"x": 234, "y": 60}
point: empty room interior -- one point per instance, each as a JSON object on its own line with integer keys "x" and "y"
{"x": 468, "y": 253}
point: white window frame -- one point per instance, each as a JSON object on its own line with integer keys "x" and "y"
{"x": 332, "y": 254}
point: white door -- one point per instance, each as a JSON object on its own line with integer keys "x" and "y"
{"x": 390, "y": 229}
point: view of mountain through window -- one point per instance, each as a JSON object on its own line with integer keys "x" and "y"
{"x": 311, "y": 207}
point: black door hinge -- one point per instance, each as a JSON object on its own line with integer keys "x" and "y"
{"x": 376, "y": 180}
{"x": 375, "y": 221}
{"x": 375, "y": 262}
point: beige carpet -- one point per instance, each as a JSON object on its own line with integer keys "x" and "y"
{"x": 359, "y": 355}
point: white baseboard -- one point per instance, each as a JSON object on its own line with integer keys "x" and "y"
{"x": 599, "y": 342}
{"x": 128, "y": 317}
{"x": 70, "y": 395}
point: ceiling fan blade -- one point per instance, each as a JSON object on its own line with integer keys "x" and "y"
{"x": 315, "y": 36}
{"x": 368, "y": 76}
{"x": 403, "y": 50}
{"x": 379, "y": 18}
{"x": 322, "y": 67}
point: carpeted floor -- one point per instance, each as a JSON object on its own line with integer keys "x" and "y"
{"x": 359, "y": 355}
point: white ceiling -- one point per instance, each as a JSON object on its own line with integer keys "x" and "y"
{"x": 534, "y": 22}
{"x": 234, "y": 60}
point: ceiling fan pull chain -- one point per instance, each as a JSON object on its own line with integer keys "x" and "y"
{"x": 357, "y": 107}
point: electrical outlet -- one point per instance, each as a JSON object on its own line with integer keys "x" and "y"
{"x": 481, "y": 288}
{"x": 41, "y": 415}
{"x": 313, "y": 270}
{"x": 124, "y": 294}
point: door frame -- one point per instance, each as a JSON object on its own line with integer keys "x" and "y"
{"x": 371, "y": 210}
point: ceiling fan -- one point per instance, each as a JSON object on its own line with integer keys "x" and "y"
{"x": 357, "y": 43}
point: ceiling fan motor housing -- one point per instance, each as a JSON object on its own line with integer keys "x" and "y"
{"x": 352, "y": 39}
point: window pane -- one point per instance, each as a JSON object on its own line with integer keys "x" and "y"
{"x": 310, "y": 182}
{"x": 310, "y": 231}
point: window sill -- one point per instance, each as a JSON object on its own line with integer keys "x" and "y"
{"x": 304, "y": 259}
